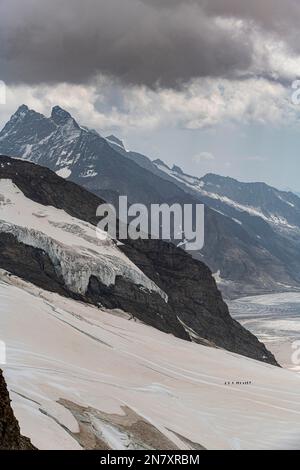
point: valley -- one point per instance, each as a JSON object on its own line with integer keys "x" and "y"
{"x": 275, "y": 320}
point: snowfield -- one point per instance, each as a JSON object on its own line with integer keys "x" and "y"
{"x": 72, "y": 245}
{"x": 81, "y": 377}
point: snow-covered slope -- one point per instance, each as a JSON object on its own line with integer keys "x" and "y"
{"x": 280, "y": 209}
{"x": 72, "y": 245}
{"x": 82, "y": 377}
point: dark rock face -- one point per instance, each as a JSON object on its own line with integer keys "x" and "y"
{"x": 194, "y": 297}
{"x": 195, "y": 308}
{"x": 147, "y": 307}
{"x": 10, "y": 436}
{"x": 33, "y": 264}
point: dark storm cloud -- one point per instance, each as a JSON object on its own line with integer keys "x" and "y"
{"x": 149, "y": 42}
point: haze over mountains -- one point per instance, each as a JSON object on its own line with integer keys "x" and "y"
{"x": 251, "y": 230}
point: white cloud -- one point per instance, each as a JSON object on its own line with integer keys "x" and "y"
{"x": 203, "y": 156}
{"x": 200, "y": 104}
{"x": 256, "y": 97}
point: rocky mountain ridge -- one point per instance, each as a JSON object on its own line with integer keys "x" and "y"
{"x": 249, "y": 251}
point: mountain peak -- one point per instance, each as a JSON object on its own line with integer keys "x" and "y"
{"x": 60, "y": 116}
{"x": 113, "y": 139}
{"x": 177, "y": 169}
{"x": 21, "y": 112}
{"x": 22, "y": 109}
{"x": 159, "y": 162}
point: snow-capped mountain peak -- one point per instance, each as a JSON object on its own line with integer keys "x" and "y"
{"x": 235, "y": 199}
{"x": 60, "y": 116}
{"x": 32, "y": 136}
{"x": 21, "y": 111}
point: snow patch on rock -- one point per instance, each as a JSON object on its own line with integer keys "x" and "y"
{"x": 64, "y": 172}
{"x": 72, "y": 245}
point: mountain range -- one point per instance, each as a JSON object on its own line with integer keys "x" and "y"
{"x": 10, "y": 434}
{"x": 122, "y": 345}
{"x": 128, "y": 344}
{"x": 84, "y": 377}
{"x": 251, "y": 229}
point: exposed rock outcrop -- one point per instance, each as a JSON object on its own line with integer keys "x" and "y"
{"x": 10, "y": 435}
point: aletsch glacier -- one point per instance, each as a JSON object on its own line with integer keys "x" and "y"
{"x": 85, "y": 377}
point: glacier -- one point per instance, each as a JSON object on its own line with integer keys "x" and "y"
{"x": 73, "y": 246}
{"x": 73, "y": 367}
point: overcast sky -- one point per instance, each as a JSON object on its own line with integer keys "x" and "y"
{"x": 205, "y": 84}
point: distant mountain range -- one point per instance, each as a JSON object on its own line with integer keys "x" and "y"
{"x": 252, "y": 242}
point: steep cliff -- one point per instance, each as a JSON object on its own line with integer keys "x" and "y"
{"x": 10, "y": 436}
